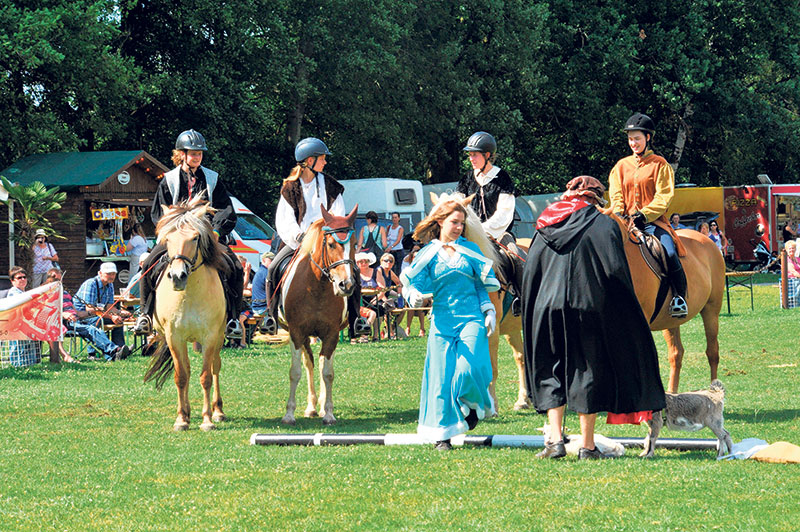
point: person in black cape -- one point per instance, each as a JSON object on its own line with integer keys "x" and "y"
{"x": 587, "y": 343}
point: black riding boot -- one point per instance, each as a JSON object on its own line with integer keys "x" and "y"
{"x": 677, "y": 278}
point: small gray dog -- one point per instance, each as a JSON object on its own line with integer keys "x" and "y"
{"x": 691, "y": 411}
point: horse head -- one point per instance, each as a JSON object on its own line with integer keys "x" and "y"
{"x": 335, "y": 256}
{"x": 186, "y": 232}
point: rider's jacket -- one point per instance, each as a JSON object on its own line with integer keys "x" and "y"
{"x": 645, "y": 184}
{"x": 207, "y": 181}
{"x": 300, "y": 203}
{"x": 494, "y": 199}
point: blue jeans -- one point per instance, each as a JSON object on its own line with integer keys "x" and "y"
{"x": 95, "y": 336}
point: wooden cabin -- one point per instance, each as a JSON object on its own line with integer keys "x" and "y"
{"x": 98, "y": 184}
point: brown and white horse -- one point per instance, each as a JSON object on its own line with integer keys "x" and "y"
{"x": 320, "y": 277}
{"x": 190, "y": 307}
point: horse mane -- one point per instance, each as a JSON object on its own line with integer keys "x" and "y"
{"x": 194, "y": 214}
{"x": 311, "y": 236}
{"x": 473, "y": 229}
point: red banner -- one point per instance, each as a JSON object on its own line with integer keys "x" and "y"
{"x": 34, "y": 315}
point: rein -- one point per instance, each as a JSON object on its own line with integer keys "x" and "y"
{"x": 333, "y": 232}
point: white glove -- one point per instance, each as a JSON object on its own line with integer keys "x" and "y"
{"x": 412, "y": 296}
{"x": 491, "y": 321}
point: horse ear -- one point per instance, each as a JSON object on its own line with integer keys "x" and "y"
{"x": 434, "y": 197}
{"x": 466, "y": 202}
{"x": 325, "y": 214}
{"x": 352, "y": 216}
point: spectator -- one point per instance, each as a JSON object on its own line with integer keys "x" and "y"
{"x": 788, "y": 232}
{"x": 718, "y": 237}
{"x": 20, "y": 352}
{"x": 675, "y": 221}
{"x": 392, "y": 299}
{"x": 90, "y": 333}
{"x": 132, "y": 290}
{"x": 244, "y": 314}
{"x": 394, "y": 237}
{"x": 95, "y": 297}
{"x": 369, "y": 280}
{"x": 372, "y": 237}
{"x": 259, "y": 304}
{"x": 137, "y": 246}
{"x": 704, "y": 229}
{"x": 44, "y": 257}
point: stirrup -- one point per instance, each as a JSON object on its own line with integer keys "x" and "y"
{"x": 143, "y": 325}
{"x": 516, "y": 307}
{"x": 678, "y": 308}
{"x": 361, "y": 327}
{"x": 268, "y": 325}
{"x": 233, "y": 330}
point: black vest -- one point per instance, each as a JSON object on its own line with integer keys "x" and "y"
{"x": 486, "y": 206}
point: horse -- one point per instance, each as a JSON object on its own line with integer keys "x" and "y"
{"x": 190, "y": 307}
{"x": 320, "y": 277}
{"x": 705, "y": 276}
{"x": 508, "y": 325}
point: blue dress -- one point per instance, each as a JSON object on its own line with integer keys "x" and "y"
{"x": 458, "y": 368}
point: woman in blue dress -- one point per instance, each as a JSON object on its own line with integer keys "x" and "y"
{"x": 458, "y": 370}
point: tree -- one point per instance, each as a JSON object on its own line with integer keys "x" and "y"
{"x": 31, "y": 206}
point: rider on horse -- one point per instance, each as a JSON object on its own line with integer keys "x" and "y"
{"x": 641, "y": 186}
{"x": 182, "y": 183}
{"x": 494, "y": 203}
{"x": 302, "y": 194}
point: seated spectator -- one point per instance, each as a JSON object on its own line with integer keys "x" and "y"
{"x": 95, "y": 298}
{"x": 675, "y": 221}
{"x": 792, "y": 262}
{"x": 90, "y": 333}
{"x": 132, "y": 290}
{"x": 19, "y": 351}
{"x": 392, "y": 299}
{"x": 258, "y": 293}
{"x": 247, "y": 292}
{"x": 368, "y": 276}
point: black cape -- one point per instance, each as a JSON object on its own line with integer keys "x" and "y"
{"x": 587, "y": 342}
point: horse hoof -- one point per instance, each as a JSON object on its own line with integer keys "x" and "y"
{"x": 288, "y": 420}
{"x": 522, "y": 406}
{"x": 311, "y": 413}
{"x": 180, "y": 427}
{"x": 218, "y": 418}
{"x": 329, "y": 420}
{"x": 205, "y": 427}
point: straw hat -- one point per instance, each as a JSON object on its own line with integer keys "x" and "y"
{"x": 40, "y": 232}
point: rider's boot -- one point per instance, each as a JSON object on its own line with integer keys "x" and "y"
{"x": 678, "y": 307}
{"x": 269, "y": 325}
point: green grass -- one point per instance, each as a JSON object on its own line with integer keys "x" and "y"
{"x": 90, "y": 447}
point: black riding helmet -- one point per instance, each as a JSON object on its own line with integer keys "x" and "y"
{"x": 482, "y": 142}
{"x": 191, "y": 140}
{"x": 640, "y": 122}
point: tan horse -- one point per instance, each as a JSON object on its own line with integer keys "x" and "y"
{"x": 319, "y": 279}
{"x": 705, "y": 276}
{"x": 190, "y": 307}
{"x": 508, "y": 325}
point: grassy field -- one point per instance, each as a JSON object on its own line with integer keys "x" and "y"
{"x": 90, "y": 447}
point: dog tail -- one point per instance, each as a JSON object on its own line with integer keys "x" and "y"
{"x": 717, "y": 386}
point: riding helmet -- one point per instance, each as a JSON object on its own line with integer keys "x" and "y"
{"x": 190, "y": 140}
{"x": 310, "y": 147}
{"x": 640, "y": 122}
{"x": 481, "y": 141}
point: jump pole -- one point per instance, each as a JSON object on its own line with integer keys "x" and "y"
{"x": 497, "y": 440}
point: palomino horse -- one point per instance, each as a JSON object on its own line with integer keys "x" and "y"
{"x": 705, "y": 277}
{"x": 508, "y": 325}
{"x": 319, "y": 279}
{"x": 190, "y": 307}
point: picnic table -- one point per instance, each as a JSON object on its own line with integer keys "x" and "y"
{"x": 744, "y": 279}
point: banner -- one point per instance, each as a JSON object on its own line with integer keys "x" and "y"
{"x": 34, "y": 315}
{"x": 113, "y": 213}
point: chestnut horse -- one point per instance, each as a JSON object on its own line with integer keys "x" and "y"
{"x": 705, "y": 277}
{"x": 190, "y": 307}
{"x": 320, "y": 277}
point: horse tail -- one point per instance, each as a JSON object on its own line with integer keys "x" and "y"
{"x": 161, "y": 364}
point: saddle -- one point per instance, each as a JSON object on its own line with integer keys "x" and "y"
{"x": 510, "y": 262}
{"x": 277, "y": 277}
{"x": 655, "y": 256}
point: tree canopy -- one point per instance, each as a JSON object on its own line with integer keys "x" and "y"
{"x": 395, "y": 87}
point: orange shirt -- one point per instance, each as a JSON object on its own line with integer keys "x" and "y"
{"x": 645, "y": 184}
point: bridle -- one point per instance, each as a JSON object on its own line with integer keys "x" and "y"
{"x": 193, "y": 263}
{"x": 326, "y": 268}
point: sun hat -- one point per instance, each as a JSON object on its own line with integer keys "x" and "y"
{"x": 368, "y": 255}
{"x": 108, "y": 267}
{"x": 40, "y": 232}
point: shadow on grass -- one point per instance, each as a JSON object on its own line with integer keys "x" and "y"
{"x": 787, "y": 414}
{"x": 43, "y": 371}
